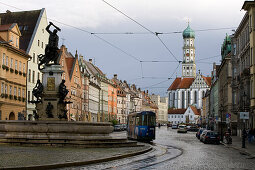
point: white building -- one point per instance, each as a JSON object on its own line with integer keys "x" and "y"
{"x": 162, "y": 103}
{"x": 191, "y": 87}
{"x": 189, "y": 115}
{"x": 94, "y": 92}
{"x": 34, "y": 38}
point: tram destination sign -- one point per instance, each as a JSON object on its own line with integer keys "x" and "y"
{"x": 244, "y": 115}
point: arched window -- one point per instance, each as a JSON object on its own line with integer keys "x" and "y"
{"x": 173, "y": 99}
{"x": 195, "y": 97}
{"x": 188, "y": 98}
{"x": 183, "y": 100}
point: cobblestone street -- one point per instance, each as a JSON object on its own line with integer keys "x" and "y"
{"x": 182, "y": 151}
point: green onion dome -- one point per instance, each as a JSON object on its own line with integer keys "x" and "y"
{"x": 188, "y": 33}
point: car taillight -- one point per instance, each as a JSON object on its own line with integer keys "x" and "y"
{"x": 206, "y": 136}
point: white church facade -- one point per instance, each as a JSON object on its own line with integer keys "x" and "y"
{"x": 191, "y": 87}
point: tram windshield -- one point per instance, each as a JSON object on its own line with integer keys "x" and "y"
{"x": 146, "y": 120}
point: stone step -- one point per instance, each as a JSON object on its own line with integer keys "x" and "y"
{"x": 72, "y": 143}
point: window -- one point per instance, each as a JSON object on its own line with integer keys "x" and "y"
{"x": 19, "y": 92}
{"x": 38, "y": 76}
{"x": 3, "y": 62}
{"x": 10, "y": 90}
{"x": 29, "y": 75}
{"x": 23, "y": 93}
{"x": 7, "y": 60}
{"x": 191, "y": 116}
{"x": 17, "y": 42}
{"x": 188, "y": 98}
{"x": 38, "y": 43}
{"x": 20, "y": 65}
{"x": 33, "y": 77}
{"x": 195, "y": 97}
{"x": 16, "y": 65}
{"x": 33, "y": 57}
{"x": 183, "y": 99}
{"x": 2, "y": 88}
{"x": 15, "y": 91}
{"x": 42, "y": 44}
{"x": 5, "y": 89}
{"x": 11, "y": 64}
{"x": 24, "y": 68}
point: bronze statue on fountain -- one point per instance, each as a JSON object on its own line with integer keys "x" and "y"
{"x": 51, "y": 50}
{"x": 37, "y": 92}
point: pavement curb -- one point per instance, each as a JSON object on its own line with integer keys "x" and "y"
{"x": 239, "y": 149}
{"x": 80, "y": 163}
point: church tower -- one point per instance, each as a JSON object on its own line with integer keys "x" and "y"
{"x": 188, "y": 63}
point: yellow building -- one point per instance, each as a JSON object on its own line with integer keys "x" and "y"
{"x": 13, "y": 70}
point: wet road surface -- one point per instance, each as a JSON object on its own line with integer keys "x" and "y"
{"x": 172, "y": 150}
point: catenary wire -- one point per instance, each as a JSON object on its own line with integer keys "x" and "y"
{"x": 154, "y": 33}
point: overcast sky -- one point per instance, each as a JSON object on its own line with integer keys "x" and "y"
{"x": 157, "y": 16}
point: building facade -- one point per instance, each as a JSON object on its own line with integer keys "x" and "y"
{"x": 191, "y": 87}
{"x": 249, "y": 6}
{"x": 162, "y": 104}
{"x": 34, "y": 38}
{"x": 13, "y": 72}
{"x": 225, "y": 90}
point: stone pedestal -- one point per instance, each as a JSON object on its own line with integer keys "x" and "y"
{"x": 51, "y": 108}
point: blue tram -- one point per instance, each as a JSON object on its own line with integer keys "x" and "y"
{"x": 141, "y": 126}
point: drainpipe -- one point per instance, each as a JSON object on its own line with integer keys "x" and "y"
{"x": 26, "y": 89}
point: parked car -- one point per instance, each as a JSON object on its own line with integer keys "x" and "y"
{"x": 117, "y": 127}
{"x": 174, "y": 126}
{"x": 182, "y": 129}
{"x": 169, "y": 125}
{"x": 211, "y": 137}
{"x": 199, "y": 132}
{"x": 203, "y": 135}
{"x": 193, "y": 129}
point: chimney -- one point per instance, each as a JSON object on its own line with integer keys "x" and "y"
{"x": 115, "y": 76}
{"x": 139, "y": 89}
{"x": 90, "y": 60}
{"x": 147, "y": 91}
{"x": 125, "y": 81}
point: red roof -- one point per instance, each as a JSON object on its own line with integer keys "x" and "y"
{"x": 207, "y": 80}
{"x": 69, "y": 64}
{"x": 176, "y": 111}
{"x": 5, "y": 27}
{"x": 175, "y": 84}
{"x": 195, "y": 110}
{"x": 181, "y": 83}
{"x": 185, "y": 83}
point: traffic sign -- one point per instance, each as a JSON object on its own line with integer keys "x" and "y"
{"x": 244, "y": 115}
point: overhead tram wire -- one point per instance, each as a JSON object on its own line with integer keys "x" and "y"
{"x": 88, "y": 32}
{"x": 164, "y": 80}
{"x": 162, "y": 33}
{"x": 154, "y": 33}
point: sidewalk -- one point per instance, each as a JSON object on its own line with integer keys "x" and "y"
{"x": 42, "y": 157}
{"x": 237, "y": 144}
